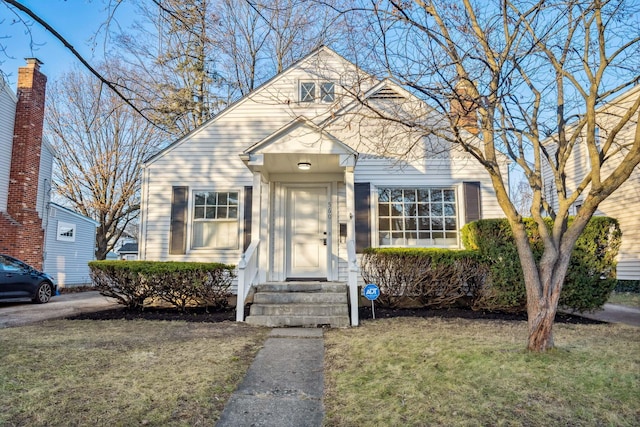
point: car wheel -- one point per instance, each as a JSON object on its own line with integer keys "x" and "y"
{"x": 43, "y": 294}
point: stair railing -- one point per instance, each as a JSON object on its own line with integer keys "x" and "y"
{"x": 248, "y": 269}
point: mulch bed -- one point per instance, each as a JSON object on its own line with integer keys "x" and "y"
{"x": 214, "y": 316}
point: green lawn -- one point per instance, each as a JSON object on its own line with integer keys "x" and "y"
{"x": 423, "y": 372}
{"x": 629, "y": 299}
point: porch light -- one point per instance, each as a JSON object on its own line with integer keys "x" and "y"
{"x": 304, "y": 166}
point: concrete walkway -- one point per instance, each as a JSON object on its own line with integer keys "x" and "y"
{"x": 613, "y": 313}
{"x": 284, "y": 385}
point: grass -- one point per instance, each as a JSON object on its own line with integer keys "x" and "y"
{"x": 122, "y": 373}
{"x": 629, "y": 299}
{"x": 423, "y": 372}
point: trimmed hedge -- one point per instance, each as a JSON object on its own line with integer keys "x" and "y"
{"x": 182, "y": 284}
{"x": 590, "y": 277}
{"x": 628, "y": 286}
{"x": 428, "y": 277}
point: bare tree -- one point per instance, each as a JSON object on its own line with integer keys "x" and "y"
{"x": 171, "y": 48}
{"x": 523, "y": 80}
{"x": 261, "y": 38}
{"x": 100, "y": 143}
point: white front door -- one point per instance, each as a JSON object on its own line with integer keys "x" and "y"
{"x": 306, "y": 232}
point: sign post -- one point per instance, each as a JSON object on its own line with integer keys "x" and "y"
{"x": 372, "y": 292}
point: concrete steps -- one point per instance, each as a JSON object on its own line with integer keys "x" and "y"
{"x": 300, "y": 304}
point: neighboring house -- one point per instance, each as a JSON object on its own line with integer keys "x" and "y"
{"x": 25, "y": 166}
{"x": 70, "y": 245}
{"x": 28, "y": 224}
{"x": 624, "y": 203}
{"x": 128, "y": 251}
{"x": 292, "y": 181}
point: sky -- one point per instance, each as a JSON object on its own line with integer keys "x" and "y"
{"x": 76, "y": 20}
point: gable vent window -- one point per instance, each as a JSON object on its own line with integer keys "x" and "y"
{"x": 66, "y": 232}
{"x": 215, "y": 220}
{"x": 417, "y": 217}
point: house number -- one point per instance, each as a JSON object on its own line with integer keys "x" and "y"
{"x": 329, "y": 210}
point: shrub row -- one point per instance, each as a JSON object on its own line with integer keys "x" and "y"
{"x": 427, "y": 277}
{"x": 182, "y": 284}
{"x": 488, "y": 275}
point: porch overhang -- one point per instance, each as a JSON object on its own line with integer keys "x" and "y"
{"x": 300, "y": 142}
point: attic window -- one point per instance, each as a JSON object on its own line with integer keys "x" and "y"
{"x": 307, "y": 92}
{"x": 327, "y": 92}
{"x": 317, "y": 92}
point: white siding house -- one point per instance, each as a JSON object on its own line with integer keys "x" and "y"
{"x": 70, "y": 242}
{"x": 8, "y": 101}
{"x": 290, "y": 183}
{"x": 624, "y": 203}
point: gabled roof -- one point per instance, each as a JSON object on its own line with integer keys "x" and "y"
{"x": 333, "y": 146}
{"x": 74, "y": 213}
{"x": 239, "y": 102}
{"x": 128, "y": 248}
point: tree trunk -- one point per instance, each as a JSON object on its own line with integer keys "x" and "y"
{"x": 541, "y": 328}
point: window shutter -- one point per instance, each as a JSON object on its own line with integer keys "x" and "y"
{"x": 178, "y": 230}
{"x": 362, "y": 194}
{"x": 248, "y": 199}
{"x": 472, "y": 202}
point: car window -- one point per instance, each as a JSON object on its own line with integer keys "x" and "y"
{"x": 10, "y": 266}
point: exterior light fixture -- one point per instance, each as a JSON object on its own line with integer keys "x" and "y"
{"x": 304, "y": 166}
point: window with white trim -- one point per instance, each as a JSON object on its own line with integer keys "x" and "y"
{"x": 66, "y": 232}
{"x": 307, "y": 92}
{"x": 417, "y": 217}
{"x": 327, "y": 92}
{"x": 320, "y": 92}
{"x": 215, "y": 220}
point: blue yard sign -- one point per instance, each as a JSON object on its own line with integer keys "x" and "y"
{"x": 372, "y": 292}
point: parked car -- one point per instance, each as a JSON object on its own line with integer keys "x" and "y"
{"x": 20, "y": 280}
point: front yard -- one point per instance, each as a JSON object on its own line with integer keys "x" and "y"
{"x": 122, "y": 373}
{"x": 458, "y": 372}
{"x": 388, "y": 372}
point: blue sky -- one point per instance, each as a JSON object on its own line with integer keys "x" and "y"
{"x": 75, "y": 20}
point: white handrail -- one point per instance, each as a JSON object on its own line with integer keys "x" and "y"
{"x": 353, "y": 281}
{"x": 248, "y": 269}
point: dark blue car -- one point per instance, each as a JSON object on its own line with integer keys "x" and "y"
{"x": 20, "y": 280}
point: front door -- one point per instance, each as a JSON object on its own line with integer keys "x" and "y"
{"x": 306, "y": 231}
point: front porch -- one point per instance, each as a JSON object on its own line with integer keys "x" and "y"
{"x": 302, "y": 226}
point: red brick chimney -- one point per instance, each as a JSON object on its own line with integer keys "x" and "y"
{"x": 22, "y": 235}
{"x": 463, "y": 108}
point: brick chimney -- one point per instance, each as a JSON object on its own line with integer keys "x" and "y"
{"x": 463, "y": 108}
{"x": 24, "y": 235}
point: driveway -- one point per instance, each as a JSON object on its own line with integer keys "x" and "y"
{"x": 22, "y": 312}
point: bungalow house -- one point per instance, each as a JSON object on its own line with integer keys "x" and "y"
{"x": 624, "y": 203}
{"x": 293, "y": 181}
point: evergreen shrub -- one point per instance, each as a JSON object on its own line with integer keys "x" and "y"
{"x": 590, "y": 277}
